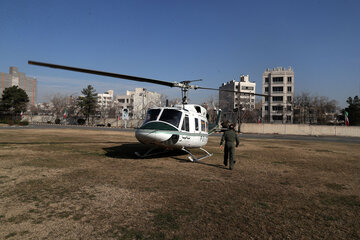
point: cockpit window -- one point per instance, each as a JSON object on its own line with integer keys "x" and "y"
{"x": 171, "y": 116}
{"x": 152, "y": 115}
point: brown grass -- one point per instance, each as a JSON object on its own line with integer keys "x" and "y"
{"x": 82, "y": 184}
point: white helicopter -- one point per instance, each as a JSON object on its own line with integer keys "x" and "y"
{"x": 182, "y": 127}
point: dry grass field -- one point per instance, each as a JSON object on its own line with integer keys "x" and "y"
{"x": 86, "y": 184}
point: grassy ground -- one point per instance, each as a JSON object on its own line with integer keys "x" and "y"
{"x": 82, "y": 184}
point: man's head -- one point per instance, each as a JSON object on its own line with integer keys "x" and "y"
{"x": 231, "y": 126}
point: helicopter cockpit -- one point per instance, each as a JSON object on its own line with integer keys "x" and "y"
{"x": 171, "y": 116}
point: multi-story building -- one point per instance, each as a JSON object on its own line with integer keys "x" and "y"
{"x": 16, "y": 78}
{"x": 278, "y": 83}
{"x": 228, "y": 101}
{"x": 106, "y": 99}
{"x": 138, "y": 102}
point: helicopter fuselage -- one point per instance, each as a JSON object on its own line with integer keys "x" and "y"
{"x": 181, "y": 126}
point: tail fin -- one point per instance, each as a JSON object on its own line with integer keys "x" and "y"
{"x": 214, "y": 126}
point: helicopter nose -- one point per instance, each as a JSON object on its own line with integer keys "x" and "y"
{"x": 148, "y": 136}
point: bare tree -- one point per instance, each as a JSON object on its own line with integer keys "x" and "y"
{"x": 72, "y": 108}
{"x": 174, "y": 101}
{"x": 314, "y": 109}
{"x": 33, "y": 109}
{"x": 58, "y": 102}
{"x": 164, "y": 99}
{"x": 211, "y": 106}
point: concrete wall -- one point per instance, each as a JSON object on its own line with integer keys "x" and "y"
{"x": 290, "y": 129}
{"x": 300, "y": 129}
{"x": 43, "y": 119}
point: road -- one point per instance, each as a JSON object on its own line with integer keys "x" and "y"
{"x": 258, "y": 136}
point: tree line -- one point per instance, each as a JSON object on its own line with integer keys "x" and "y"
{"x": 14, "y": 102}
{"x": 80, "y": 108}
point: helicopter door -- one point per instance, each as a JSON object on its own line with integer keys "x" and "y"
{"x": 198, "y": 138}
{"x": 185, "y": 128}
{"x": 185, "y": 125}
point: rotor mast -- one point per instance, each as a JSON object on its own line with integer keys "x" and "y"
{"x": 185, "y": 86}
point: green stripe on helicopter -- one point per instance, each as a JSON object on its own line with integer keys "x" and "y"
{"x": 161, "y": 127}
{"x": 173, "y": 132}
{"x": 158, "y": 126}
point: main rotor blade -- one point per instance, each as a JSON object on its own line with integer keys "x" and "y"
{"x": 224, "y": 90}
{"x": 101, "y": 73}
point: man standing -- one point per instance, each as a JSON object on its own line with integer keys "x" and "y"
{"x": 230, "y": 137}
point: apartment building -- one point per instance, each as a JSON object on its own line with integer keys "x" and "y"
{"x": 138, "y": 102}
{"x": 228, "y": 101}
{"x": 106, "y": 99}
{"x": 16, "y": 78}
{"x": 278, "y": 83}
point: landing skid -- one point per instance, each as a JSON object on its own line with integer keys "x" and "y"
{"x": 192, "y": 158}
{"x": 149, "y": 153}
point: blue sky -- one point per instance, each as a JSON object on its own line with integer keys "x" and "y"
{"x": 181, "y": 40}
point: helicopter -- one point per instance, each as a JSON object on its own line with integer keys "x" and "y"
{"x": 183, "y": 126}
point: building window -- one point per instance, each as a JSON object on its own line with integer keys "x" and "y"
{"x": 288, "y": 118}
{"x": 289, "y": 89}
{"x": 247, "y": 88}
{"x": 289, "y": 98}
{"x": 266, "y": 108}
{"x": 267, "y": 80}
{"x": 266, "y": 89}
{"x": 277, "y": 117}
{"x": 277, "y": 108}
{"x": 278, "y": 79}
{"x": 289, "y": 108}
{"x": 266, "y": 99}
{"x": 289, "y": 79}
{"x": 278, "y": 89}
{"x": 277, "y": 98}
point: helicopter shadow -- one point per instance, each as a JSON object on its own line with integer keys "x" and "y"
{"x": 127, "y": 151}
